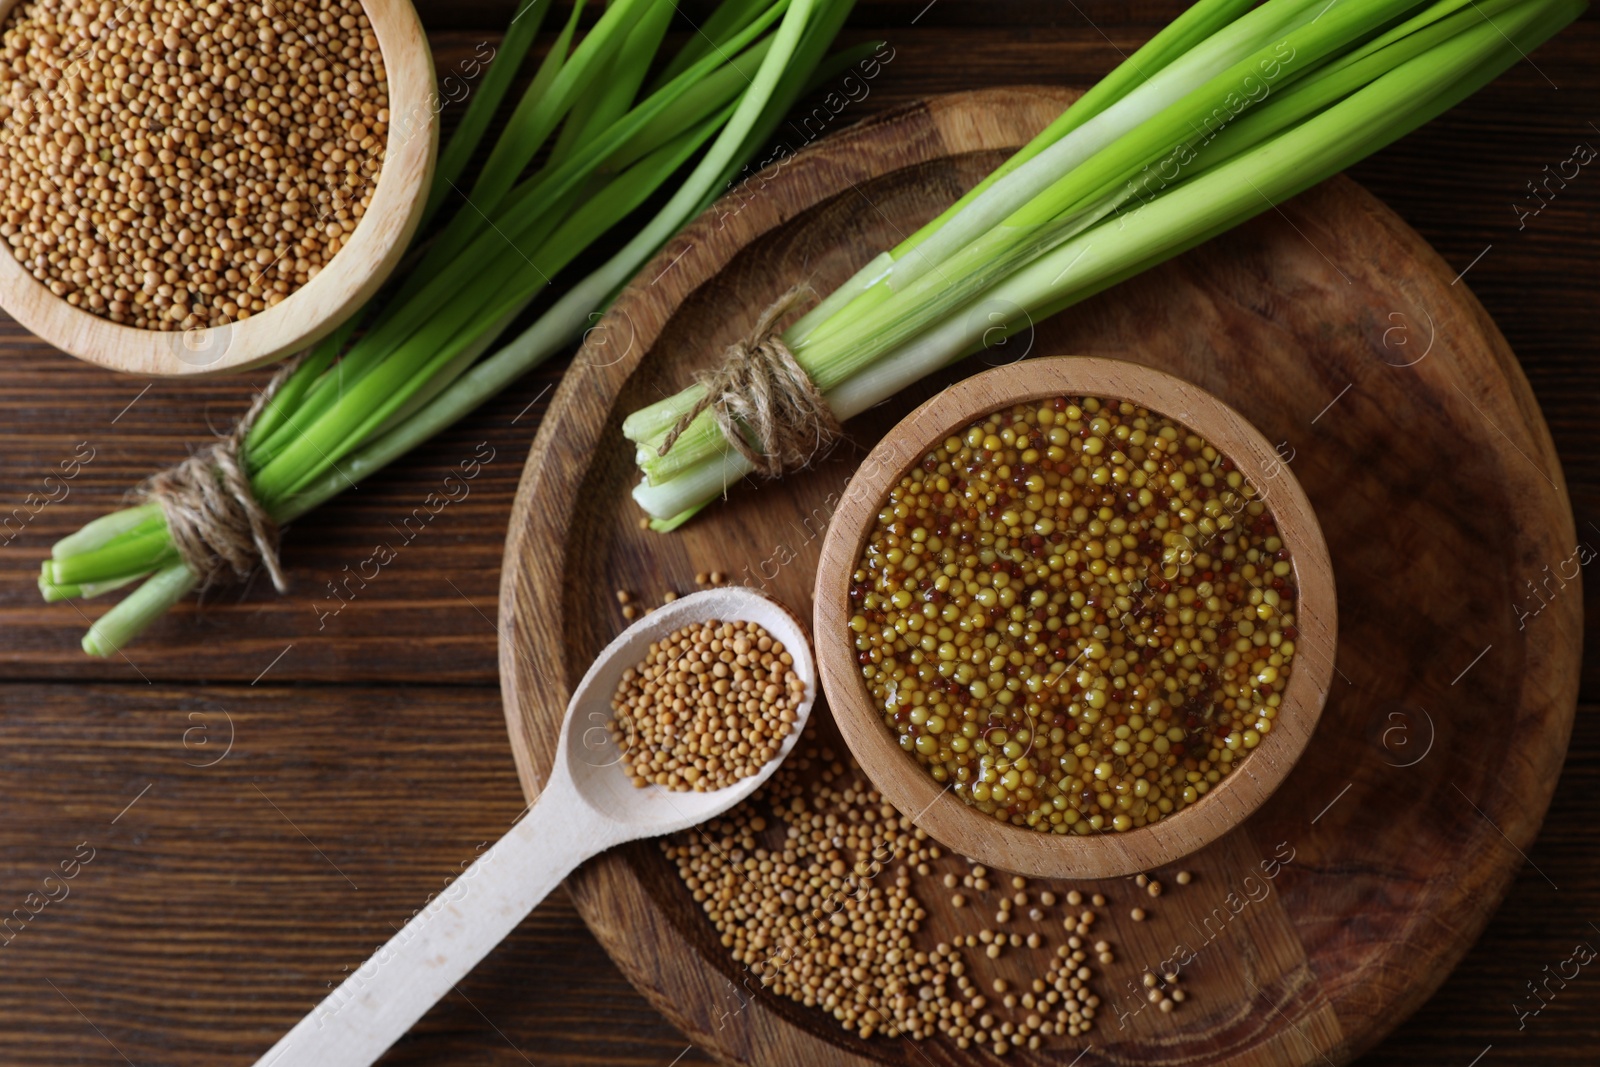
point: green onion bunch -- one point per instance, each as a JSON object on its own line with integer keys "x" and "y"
{"x": 587, "y": 144}
{"x": 1226, "y": 112}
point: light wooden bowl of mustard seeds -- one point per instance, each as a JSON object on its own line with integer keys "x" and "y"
{"x": 1225, "y": 761}
{"x": 202, "y": 189}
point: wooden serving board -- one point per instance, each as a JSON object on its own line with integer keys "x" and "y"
{"x": 1337, "y": 331}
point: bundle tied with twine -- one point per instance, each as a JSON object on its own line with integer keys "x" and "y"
{"x": 763, "y": 401}
{"x": 220, "y": 530}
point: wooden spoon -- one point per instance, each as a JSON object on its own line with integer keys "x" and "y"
{"x": 588, "y": 805}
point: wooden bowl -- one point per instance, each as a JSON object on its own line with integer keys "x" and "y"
{"x": 311, "y": 311}
{"x": 904, "y": 782}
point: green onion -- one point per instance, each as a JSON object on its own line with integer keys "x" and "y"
{"x": 1226, "y": 116}
{"x": 423, "y": 356}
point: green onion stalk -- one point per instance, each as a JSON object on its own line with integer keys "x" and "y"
{"x": 1223, "y": 114}
{"x": 419, "y": 358}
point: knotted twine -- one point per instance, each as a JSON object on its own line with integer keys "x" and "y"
{"x": 218, "y": 527}
{"x": 760, "y": 391}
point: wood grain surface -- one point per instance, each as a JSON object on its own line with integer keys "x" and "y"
{"x": 208, "y": 921}
{"x": 1271, "y": 318}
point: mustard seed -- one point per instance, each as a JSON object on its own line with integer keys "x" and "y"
{"x": 1184, "y": 878}
{"x": 1072, "y": 614}
{"x": 707, "y": 707}
{"x": 809, "y": 885}
{"x": 170, "y": 165}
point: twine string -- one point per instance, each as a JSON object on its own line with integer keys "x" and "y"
{"x": 763, "y": 401}
{"x": 218, "y": 527}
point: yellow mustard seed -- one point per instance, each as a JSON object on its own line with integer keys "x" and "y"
{"x": 710, "y": 704}
{"x": 811, "y": 885}
{"x": 172, "y": 165}
{"x": 1059, "y": 612}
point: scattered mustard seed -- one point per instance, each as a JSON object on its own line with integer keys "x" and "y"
{"x": 814, "y": 896}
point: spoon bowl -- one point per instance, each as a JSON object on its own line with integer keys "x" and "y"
{"x": 587, "y": 805}
{"x": 594, "y": 761}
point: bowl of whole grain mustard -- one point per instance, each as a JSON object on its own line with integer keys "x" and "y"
{"x": 1076, "y": 617}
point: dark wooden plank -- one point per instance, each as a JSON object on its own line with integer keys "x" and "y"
{"x": 1455, "y": 181}
{"x": 205, "y": 923}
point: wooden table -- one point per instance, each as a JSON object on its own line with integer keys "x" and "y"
{"x": 265, "y": 787}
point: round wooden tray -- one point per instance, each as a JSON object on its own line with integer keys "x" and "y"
{"x": 1342, "y": 336}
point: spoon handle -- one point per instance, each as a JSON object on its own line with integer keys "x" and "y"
{"x": 382, "y": 1000}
